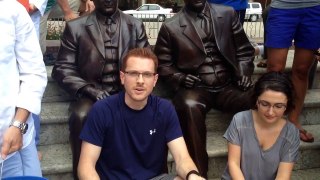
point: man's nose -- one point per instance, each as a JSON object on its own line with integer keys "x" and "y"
{"x": 140, "y": 79}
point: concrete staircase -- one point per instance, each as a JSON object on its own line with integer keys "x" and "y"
{"x": 54, "y": 136}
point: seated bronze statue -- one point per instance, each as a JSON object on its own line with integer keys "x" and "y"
{"x": 205, "y": 55}
{"x": 89, "y": 58}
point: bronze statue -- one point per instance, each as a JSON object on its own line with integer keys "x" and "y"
{"x": 205, "y": 55}
{"x": 89, "y": 58}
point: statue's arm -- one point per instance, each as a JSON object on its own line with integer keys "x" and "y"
{"x": 244, "y": 49}
{"x": 167, "y": 68}
{"x": 66, "y": 70}
{"x": 142, "y": 39}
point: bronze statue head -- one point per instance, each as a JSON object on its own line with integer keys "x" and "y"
{"x": 106, "y": 7}
{"x": 195, "y": 5}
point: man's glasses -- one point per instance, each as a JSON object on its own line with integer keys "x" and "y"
{"x": 277, "y": 107}
{"x": 136, "y": 74}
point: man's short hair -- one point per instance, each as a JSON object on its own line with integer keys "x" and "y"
{"x": 141, "y": 53}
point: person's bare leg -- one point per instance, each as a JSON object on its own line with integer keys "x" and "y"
{"x": 277, "y": 58}
{"x": 303, "y": 60}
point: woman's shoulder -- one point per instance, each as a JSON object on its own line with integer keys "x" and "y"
{"x": 292, "y": 132}
{"x": 291, "y": 127}
{"x": 243, "y": 118}
{"x": 243, "y": 115}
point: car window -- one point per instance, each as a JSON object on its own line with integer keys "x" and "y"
{"x": 255, "y": 6}
{"x": 154, "y": 7}
{"x": 248, "y": 6}
{"x": 143, "y": 8}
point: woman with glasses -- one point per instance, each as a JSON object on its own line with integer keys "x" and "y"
{"x": 262, "y": 143}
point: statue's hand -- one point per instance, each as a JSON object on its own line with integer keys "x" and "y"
{"x": 95, "y": 94}
{"x": 102, "y": 95}
{"x": 190, "y": 80}
{"x": 244, "y": 83}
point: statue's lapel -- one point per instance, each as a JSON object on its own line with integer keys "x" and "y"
{"x": 190, "y": 31}
{"x": 94, "y": 32}
{"x": 125, "y": 36}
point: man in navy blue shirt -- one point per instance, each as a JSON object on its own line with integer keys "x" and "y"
{"x": 127, "y": 135}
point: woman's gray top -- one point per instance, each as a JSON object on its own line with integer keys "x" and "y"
{"x": 255, "y": 163}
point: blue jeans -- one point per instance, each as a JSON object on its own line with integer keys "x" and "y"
{"x": 36, "y": 121}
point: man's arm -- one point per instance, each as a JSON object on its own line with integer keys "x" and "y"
{"x": 164, "y": 51}
{"x": 184, "y": 163}
{"x": 12, "y": 138}
{"x": 142, "y": 39}
{"x": 86, "y": 7}
{"x": 32, "y": 78}
{"x": 87, "y": 163}
{"x": 66, "y": 70}
{"x": 66, "y": 9}
{"x": 234, "y": 155}
{"x": 37, "y": 5}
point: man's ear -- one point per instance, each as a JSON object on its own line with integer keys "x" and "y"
{"x": 155, "y": 80}
{"x": 122, "y": 77}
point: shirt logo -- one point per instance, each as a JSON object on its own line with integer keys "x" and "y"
{"x": 152, "y": 131}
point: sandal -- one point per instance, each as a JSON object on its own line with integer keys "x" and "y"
{"x": 305, "y": 136}
{"x": 317, "y": 54}
{"x": 262, "y": 64}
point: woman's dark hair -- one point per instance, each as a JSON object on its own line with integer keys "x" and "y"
{"x": 275, "y": 81}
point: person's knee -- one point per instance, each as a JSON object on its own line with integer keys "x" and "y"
{"x": 79, "y": 112}
{"x": 187, "y": 104}
{"x": 78, "y": 117}
{"x": 274, "y": 66}
{"x": 301, "y": 72}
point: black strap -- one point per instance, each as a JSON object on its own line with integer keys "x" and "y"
{"x": 192, "y": 172}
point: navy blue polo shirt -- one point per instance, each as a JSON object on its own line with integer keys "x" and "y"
{"x": 133, "y": 142}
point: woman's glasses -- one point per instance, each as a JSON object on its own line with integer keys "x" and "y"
{"x": 277, "y": 107}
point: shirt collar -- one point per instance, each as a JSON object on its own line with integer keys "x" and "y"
{"x": 114, "y": 17}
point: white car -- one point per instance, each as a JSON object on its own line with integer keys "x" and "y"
{"x": 253, "y": 12}
{"x": 151, "y": 11}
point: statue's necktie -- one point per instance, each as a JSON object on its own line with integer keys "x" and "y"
{"x": 204, "y": 23}
{"x": 109, "y": 24}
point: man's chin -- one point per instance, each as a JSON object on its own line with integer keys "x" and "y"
{"x": 197, "y": 7}
{"x": 107, "y": 11}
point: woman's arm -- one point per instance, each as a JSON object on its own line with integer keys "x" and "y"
{"x": 234, "y": 156}
{"x": 284, "y": 171}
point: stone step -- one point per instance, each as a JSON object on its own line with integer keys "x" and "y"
{"x": 54, "y": 123}
{"x": 56, "y": 160}
{"x": 54, "y": 118}
{"x": 307, "y": 174}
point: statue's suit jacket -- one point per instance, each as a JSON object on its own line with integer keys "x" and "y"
{"x": 180, "y": 50}
{"x": 81, "y": 56}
